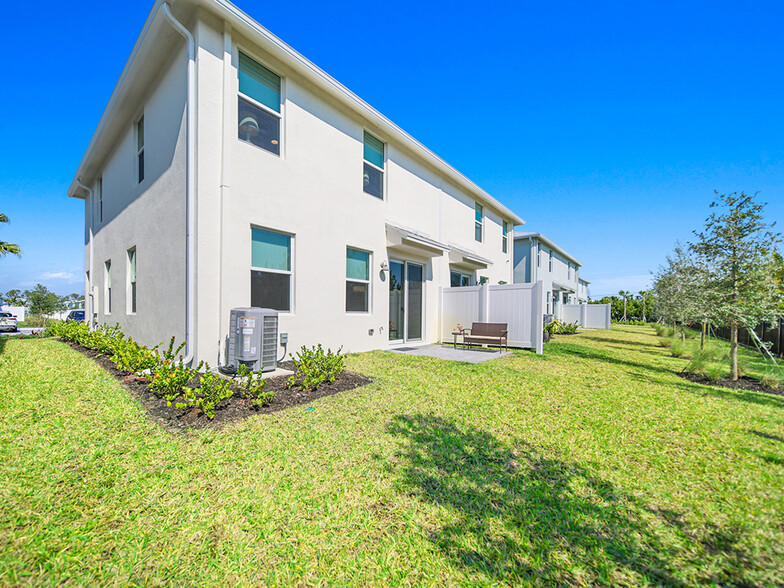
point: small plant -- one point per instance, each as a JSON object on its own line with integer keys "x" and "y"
{"x": 666, "y": 342}
{"x": 170, "y": 375}
{"x": 678, "y": 349}
{"x": 132, "y": 357}
{"x": 253, "y": 385}
{"x": 770, "y": 381}
{"x": 552, "y": 327}
{"x": 314, "y": 366}
{"x": 567, "y": 328}
{"x": 659, "y": 328}
{"x": 699, "y": 362}
{"x": 213, "y": 390}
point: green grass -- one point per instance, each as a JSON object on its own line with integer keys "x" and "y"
{"x": 592, "y": 464}
{"x": 752, "y": 362}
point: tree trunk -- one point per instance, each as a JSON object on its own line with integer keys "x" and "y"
{"x": 734, "y": 352}
{"x": 683, "y": 334}
{"x": 702, "y": 335}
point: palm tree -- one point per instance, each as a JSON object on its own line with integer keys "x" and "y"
{"x": 643, "y": 295}
{"x": 624, "y": 294}
{"x": 7, "y": 247}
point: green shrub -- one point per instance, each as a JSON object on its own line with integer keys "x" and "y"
{"x": 171, "y": 374}
{"x": 567, "y": 328}
{"x": 770, "y": 381}
{"x": 678, "y": 349}
{"x": 690, "y": 334}
{"x": 699, "y": 362}
{"x": 667, "y": 342}
{"x": 552, "y": 327}
{"x": 132, "y": 357}
{"x": 212, "y": 390}
{"x": 314, "y": 366}
{"x": 252, "y": 386}
{"x": 659, "y": 328}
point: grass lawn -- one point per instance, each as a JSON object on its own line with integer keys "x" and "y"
{"x": 591, "y": 464}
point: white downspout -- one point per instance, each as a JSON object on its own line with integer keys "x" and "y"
{"x": 89, "y": 294}
{"x": 190, "y": 276}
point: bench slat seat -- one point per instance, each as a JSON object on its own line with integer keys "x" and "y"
{"x": 484, "y": 333}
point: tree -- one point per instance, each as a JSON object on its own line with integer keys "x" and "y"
{"x": 736, "y": 246}
{"x": 645, "y": 296}
{"x": 624, "y": 294}
{"x": 14, "y": 298}
{"x": 6, "y": 248}
{"x": 42, "y": 301}
{"x": 678, "y": 288}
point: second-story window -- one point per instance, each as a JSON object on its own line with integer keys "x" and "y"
{"x": 478, "y": 221}
{"x": 140, "y": 149}
{"x": 505, "y": 242}
{"x": 550, "y": 267}
{"x": 259, "y": 105}
{"x": 373, "y": 174}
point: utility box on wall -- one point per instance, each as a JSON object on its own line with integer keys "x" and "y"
{"x": 253, "y": 338}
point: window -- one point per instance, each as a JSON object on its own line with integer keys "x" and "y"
{"x": 459, "y": 279}
{"x": 539, "y": 259}
{"x": 357, "y": 280}
{"x": 107, "y": 287}
{"x": 270, "y": 274}
{"x": 478, "y": 216}
{"x": 505, "y": 241}
{"x": 99, "y": 189}
{"x": 548, "y": 303}
{"x": 551, "y": 261}
{"x": 131, "y": 303}
{"x": 259, "y": 105}
{"x": 373, "y": 176}
{"x": 569, "y": 266}
{"x": 140, "y": 149}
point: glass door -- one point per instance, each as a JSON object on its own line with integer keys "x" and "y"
{"x": 406, "y": 288}
{"x": 397, "y": 301}
{"x": 414, "y": 287}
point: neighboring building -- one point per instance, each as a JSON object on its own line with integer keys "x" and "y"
{"x": 536, "y": 258}
{"x": 228, "y": 171}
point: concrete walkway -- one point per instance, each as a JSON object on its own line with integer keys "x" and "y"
{"x": 474, "y": 355}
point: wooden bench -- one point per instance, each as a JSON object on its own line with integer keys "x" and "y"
{"x": 487, "y": 333}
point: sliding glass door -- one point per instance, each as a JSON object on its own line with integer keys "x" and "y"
{"x": 406, "y": 289}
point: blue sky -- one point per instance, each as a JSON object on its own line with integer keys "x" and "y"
{"x": 605, "y": 125}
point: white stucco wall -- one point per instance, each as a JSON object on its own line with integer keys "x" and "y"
{"x": 149, "y": 216}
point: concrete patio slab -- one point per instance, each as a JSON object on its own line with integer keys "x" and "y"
{"x": 450, "y": 353}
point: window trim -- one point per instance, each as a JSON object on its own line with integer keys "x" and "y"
{"x": 462, "y": 275}
{"x": 131, "y": 297}
{"x": 551, "y": 262}
{"x": 505, "y": 236}
{"x": 140, "y": 159}
{"x": 290, "y": 272}
{"x": 369, "y": 282}
{"x": 253, "y": 102}
{"x": 479, "y": 224}
{"x": 382, "y": 170}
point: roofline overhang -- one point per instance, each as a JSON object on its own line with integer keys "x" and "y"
{"x": 547, "y": 242}
{"x": 242, "y": 22}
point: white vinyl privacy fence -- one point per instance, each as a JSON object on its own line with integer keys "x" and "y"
{"x": 587, "y": 316}
{"x": 520, "y": 306}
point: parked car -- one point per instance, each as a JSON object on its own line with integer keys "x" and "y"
{"x": 8, "y": 322}
{"x": 75, "y": 315}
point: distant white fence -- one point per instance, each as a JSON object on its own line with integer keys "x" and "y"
{"x": 520, "y": 306}
{"x": 17, "y": 311}
{"x": 588, "y": 316}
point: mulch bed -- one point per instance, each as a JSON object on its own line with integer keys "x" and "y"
{"x": 742, "y": 383}
{"x": 233, "y": 409}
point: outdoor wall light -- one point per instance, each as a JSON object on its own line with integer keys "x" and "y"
{"x": 384, "y": 266}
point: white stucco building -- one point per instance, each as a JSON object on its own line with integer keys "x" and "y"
{"x": 537, "y": 258}
{"x": 229, "y": 171}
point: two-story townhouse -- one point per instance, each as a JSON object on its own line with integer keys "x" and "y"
{"x": 537, "y": 258}
{"x": 229, "y": 171}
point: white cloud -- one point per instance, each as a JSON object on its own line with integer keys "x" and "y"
{"x": 610, "y": 286}
{"x": 65, "y": 276}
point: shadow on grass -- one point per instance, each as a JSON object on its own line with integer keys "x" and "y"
{"x": 623, "y": 342}
{"x": 581, "y": 351}
{"x": 3, "y": 341}
{"x": 768, "y": 436}
{"x": 517, "y": 516}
